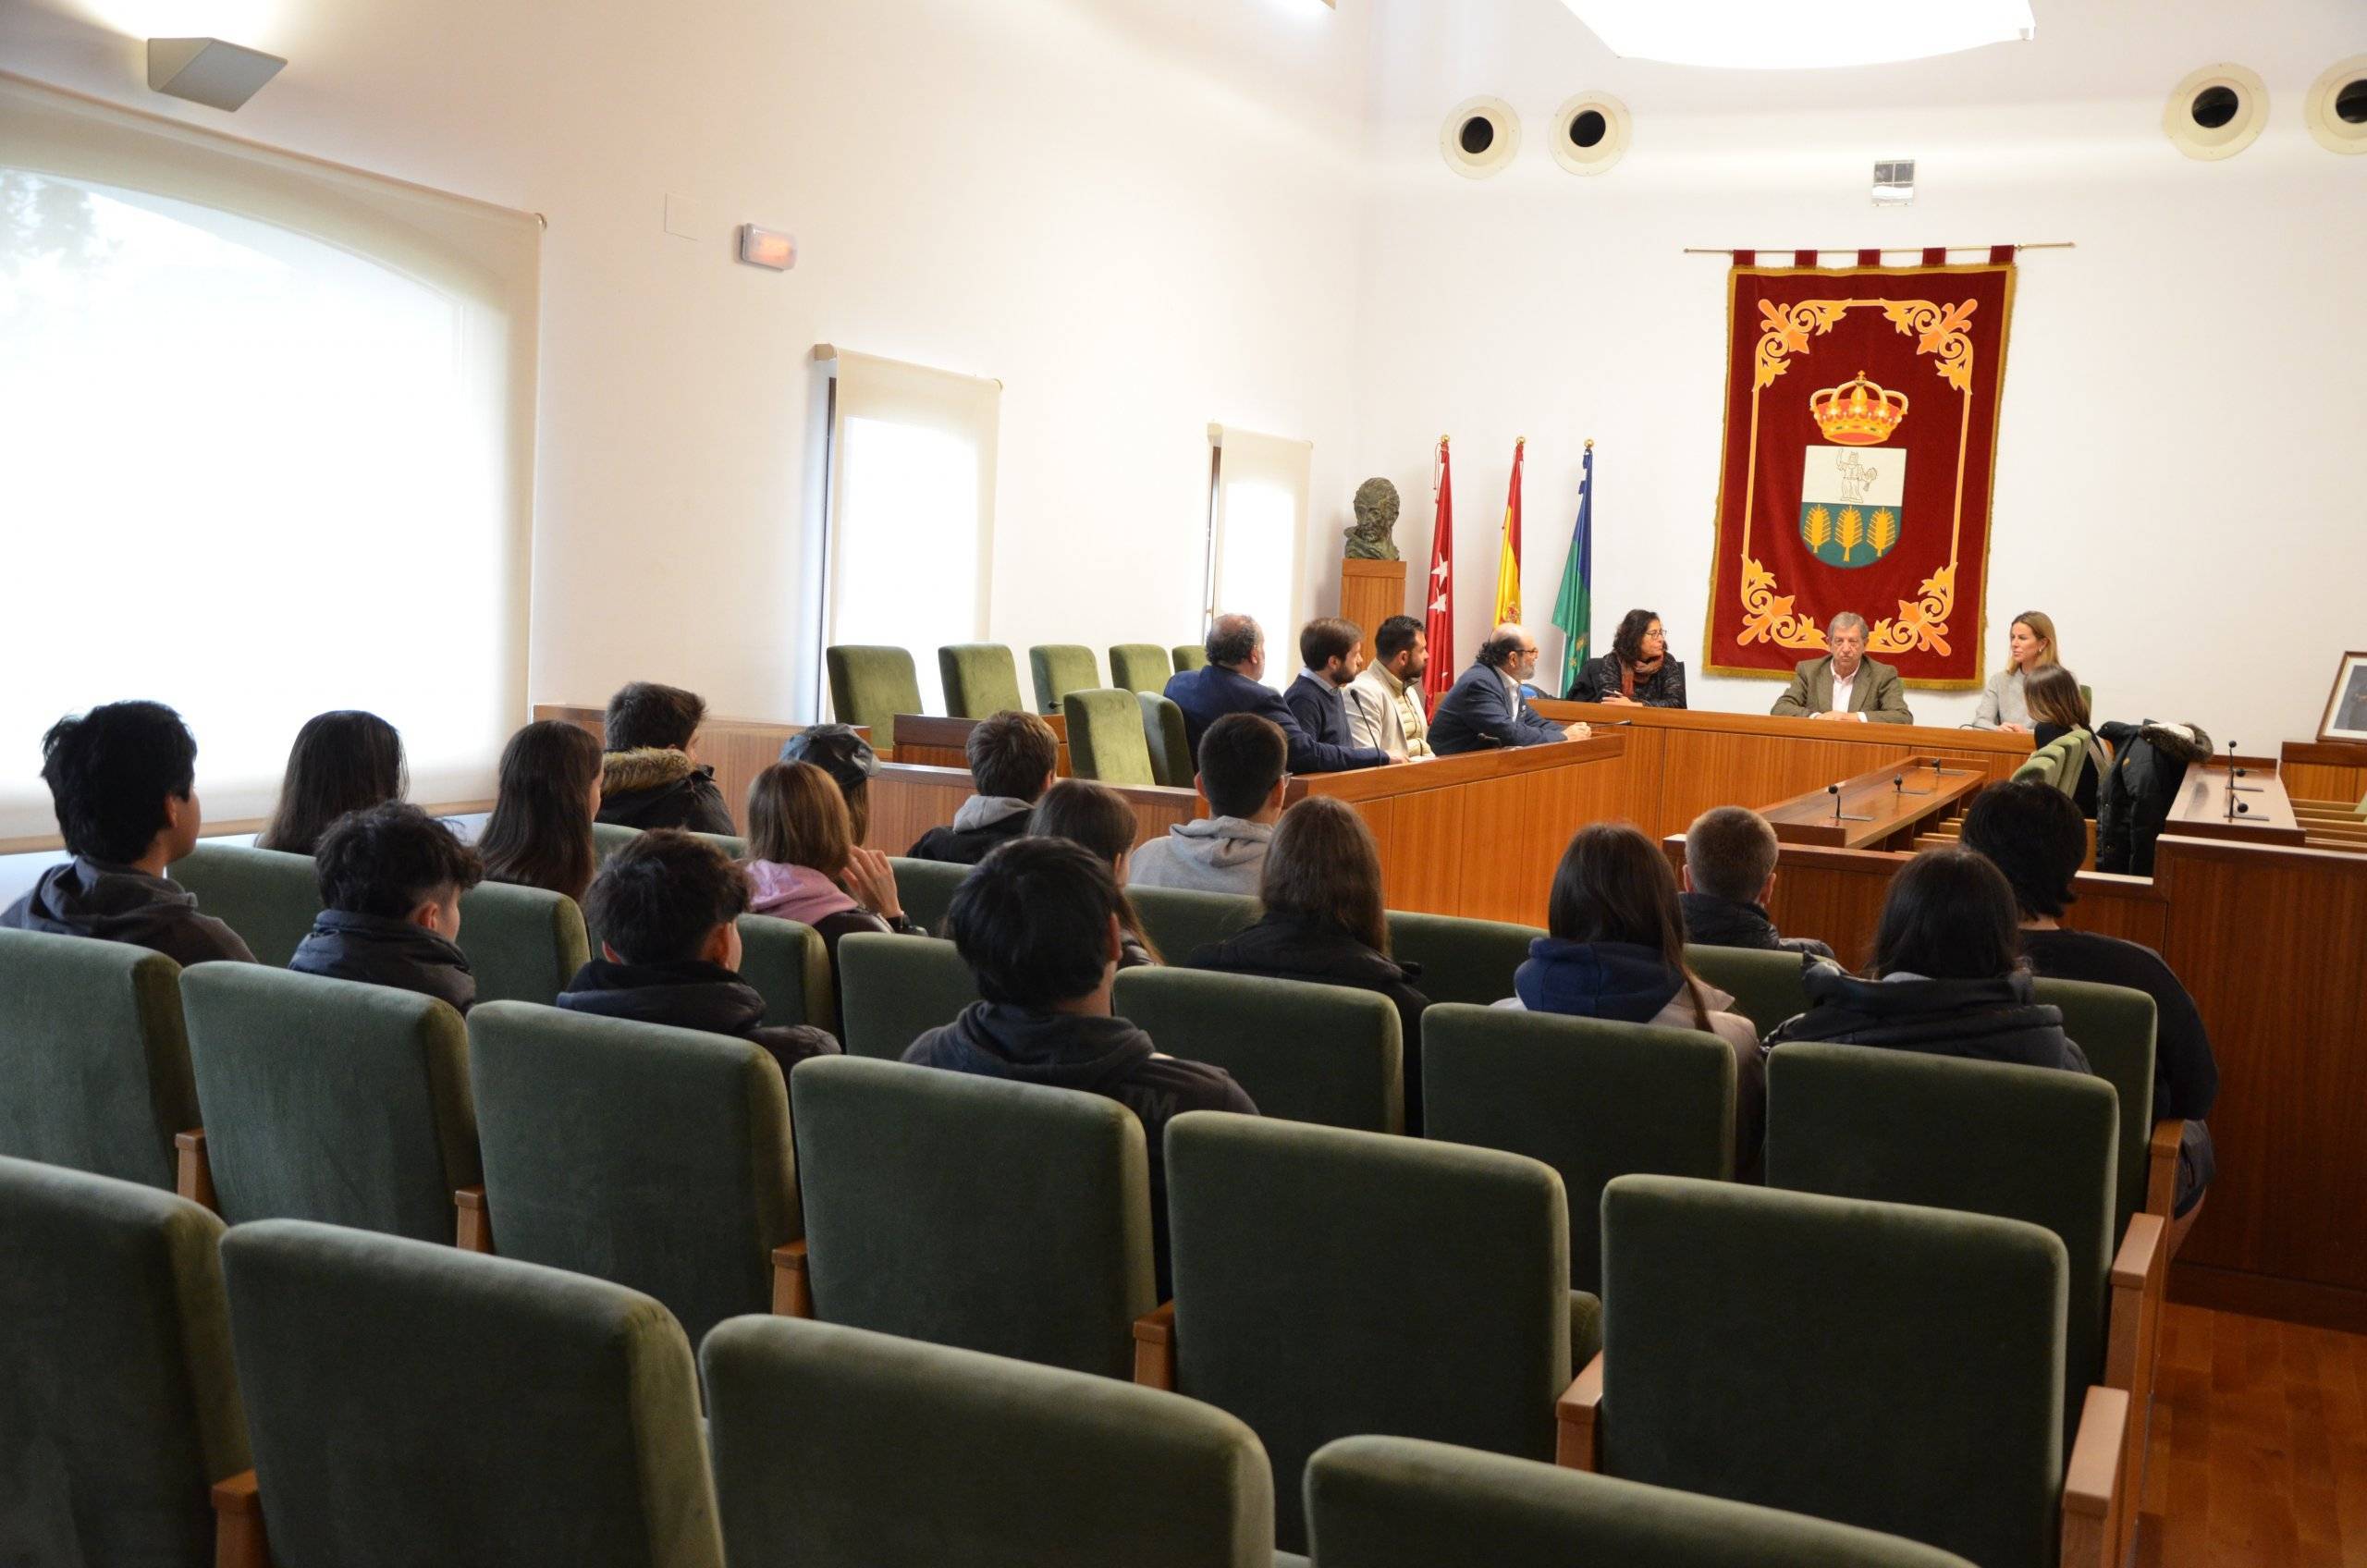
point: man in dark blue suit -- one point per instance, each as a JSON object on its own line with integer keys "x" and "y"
{"x": 1230, "y": 684}
{"x": 1484, "y": 709}
{"x": 1332, "y": 651}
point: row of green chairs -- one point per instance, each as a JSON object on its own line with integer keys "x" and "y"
{"x": 2059, "y": 761}
{"x": 341, "y": 1397}
{"x": 870, "y": 685}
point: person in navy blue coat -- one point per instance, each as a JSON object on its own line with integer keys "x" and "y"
{"x": 1230, "y": 684}
{"x": 1484, "y": 709}
{"x": 1332, "y": 652}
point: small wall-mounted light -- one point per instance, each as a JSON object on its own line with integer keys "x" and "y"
{"x": 208, "y": 70}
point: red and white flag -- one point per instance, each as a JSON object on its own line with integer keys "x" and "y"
{"x": 1438, "y": 625}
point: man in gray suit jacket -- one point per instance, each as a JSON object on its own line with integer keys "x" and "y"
{"x": 1845, "y": 685}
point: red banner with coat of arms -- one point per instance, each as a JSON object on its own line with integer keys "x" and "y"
{"x": 1860, "y": 437}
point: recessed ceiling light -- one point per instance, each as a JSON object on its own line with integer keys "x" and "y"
{"x": 1786, "y": 35}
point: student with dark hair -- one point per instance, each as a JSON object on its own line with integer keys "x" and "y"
{"x": 804, "y": 863}
{"x": 342, "y": 762}
{"x": 1233, "y": 681}
{"x": 548, "y": 798}
{"x": 1243, "y": 774}
{"x": 1332, "y": 654}
{"x": 848, "y": 758}
{"x": 1947, "y": 977}
{"x": 1615, "y": 949}
{"x": 1729, "y": 874}
{"x": 1638, "y": 669}
{"x": 391, "y": 878}
{"x": 124, "y": 780}
{"x": 2033, "y": 835}
{"x": 1325, "y": 921}
{"x": 1097, "y": 817}
{"x": 1039, "y": 923}
{"x": 667, "y": 908}
{"x": 651, "y": 776}
{"x": 1013, "y": 756}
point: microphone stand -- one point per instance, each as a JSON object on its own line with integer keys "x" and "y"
{"x": 2236, "y": 777}
{"x": 1838, "y": 815}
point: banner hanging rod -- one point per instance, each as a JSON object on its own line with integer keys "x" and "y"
{"x": 1885, "y": 251}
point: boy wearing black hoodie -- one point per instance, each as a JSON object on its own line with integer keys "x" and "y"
{"x": 124, "y": 778}
{"x": 1039, "y": 924}
{"x": 667, "y": 908}
{"x": 391, "y": 878}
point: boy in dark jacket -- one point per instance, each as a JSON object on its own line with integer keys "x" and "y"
{"x": 391, "y": 878}
{"x": 124, "y": 778}
{"x": 1729, "y": 873}
{"x": 1039, "y": 924}
{"x": 1013, "y": 756}
{"x": 650, "y": 777}
{"x": 667, "y": 908}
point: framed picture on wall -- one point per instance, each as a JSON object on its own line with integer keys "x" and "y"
{"x": 2346, "y": 717}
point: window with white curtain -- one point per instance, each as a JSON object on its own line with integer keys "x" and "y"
{"x": 1256, "y": 537}
{"x": 266, "y": 440}
{"x": 908, "y": 553}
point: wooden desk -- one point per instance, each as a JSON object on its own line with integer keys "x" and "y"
{"x": 2201, "y": 810}
{"x": 1895, "y": 802}
{"x": 1682, "y": 762}
{"x": 908, "y": 799}
{"x": 738, "y": 749}
{"x": 934, "y": 741}
{"x": 2324, "y": 770}
{"x": 1480, "y": 834}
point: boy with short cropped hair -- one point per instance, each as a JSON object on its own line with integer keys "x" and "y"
{"x": 1729, "y": 872}
{"x": 1011, "y": 756}
{"x": 650, "y": 775}
{"x": 1243, "y": 773}
{"x": 667, "y": 908}
{"x": 391, "y": 878}
{"x": 124, "y": 778}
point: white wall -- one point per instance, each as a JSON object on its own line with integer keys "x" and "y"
{"x": 2181, "y": 478}
{"x": 1138, "y": 215}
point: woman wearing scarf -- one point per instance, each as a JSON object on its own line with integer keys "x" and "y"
{"x": 1637, "y": 670}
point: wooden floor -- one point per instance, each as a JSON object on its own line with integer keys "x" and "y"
{"x": 2259, "y": 1448}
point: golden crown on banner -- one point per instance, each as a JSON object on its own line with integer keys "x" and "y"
{"x": 1858, "y": 412}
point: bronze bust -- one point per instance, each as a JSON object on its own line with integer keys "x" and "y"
{"x": 1375, "y": 507}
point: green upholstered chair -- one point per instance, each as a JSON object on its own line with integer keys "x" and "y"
{"x": 413, "y": 1404}
{"x": 1765, "y": 985}
{"x": 2074, "y": 760}
{"x": 980, "y": 680}
{"x": 524, "y": 944}
{"x": 117, "y": 1407}
{"x": 790, "y": 966}
{"x": 1171, "y": 762}
{"x": 1060, "y": 668}
{"x": 2114, "y": 1028}
{"x": 1189, "y": 656}
{"x": 1304, "y": 1051}
{"x": 1402, "y": 1503}
{"x": 1331, "y": 1282}
{"x": 268, "y": 897}
{"x": 893, "y": 989}
{"x": 655, "y": 1157}
{"x": 1180, "y": 920}
{"x": 1140, "y": 666}
{"x": 869, "y": 686}
{"x": 835, "y": 1448}
{"x": 925, "y": 888}
{"x": 1006, "y": 1217}
{"x": 1981, "y": 1137}
{"x": 731, "y": 844}
{"x": 1590, "y": 1099}
{"x": 330, "y": 1099}
{"x": 1105, "y": 739}
{"x": 2047, "y": 765}
{"x": 607, "y": 838}
{"x": 93, "y": 1055}
{"x": 1460, "y": 960}
{"x": 1895, "y": 1368}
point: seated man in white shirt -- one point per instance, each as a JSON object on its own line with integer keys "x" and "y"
{"x": 1385, "y": 702}
{"x": 1845, "y": 685}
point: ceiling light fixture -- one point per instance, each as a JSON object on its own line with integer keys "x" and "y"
{"x": 1785, "y": 35}
{"x": 209, "y": 71}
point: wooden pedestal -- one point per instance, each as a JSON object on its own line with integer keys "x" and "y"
{"x": 1370, "y": 592}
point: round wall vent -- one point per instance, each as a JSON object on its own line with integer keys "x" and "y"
{"x": 1480, "y": 137}
{"x": 2215, "y": 113}
{"x": 2336, "y": 110}
{"x": 1590, "y": 133}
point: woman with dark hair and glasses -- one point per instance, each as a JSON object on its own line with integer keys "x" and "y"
{"x": 1638, "y": 671}
{"x": 342, "y": 762}
{"x": 1948, "y": 976}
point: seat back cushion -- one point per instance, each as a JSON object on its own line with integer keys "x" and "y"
{"x": 1140, "y": 666}
{"x": 268, "y": 897}
{"x": 869, "y": 686}
{"x": 1765, "y": 985}
{"x": 1460, "y": 960}
{"x": 790, "y": 966}
{"x": 925, "y": 888}
{"x": 524, "y": 944}
{"x": 980, "y": 679}
{"x": 93, "y": 1052}
{"x": 1106, "y": 741}
{"x": 1304, "y": 1051}
{"x": 1058, "y": 669}
{"x": 2115, "y": 1029}
{"x": 1180, "y": 921}
{"x": 893, "y": 989}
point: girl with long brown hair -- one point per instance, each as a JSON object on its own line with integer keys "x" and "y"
{"x": 540, "y": 832}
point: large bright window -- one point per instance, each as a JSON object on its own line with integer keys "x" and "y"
{"x": 266, "y": 449}
{"x": 1256, "y": 537}
{"x": 909, "y": 546}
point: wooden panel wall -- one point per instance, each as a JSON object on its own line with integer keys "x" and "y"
{"x": 2315, "y": 770}
{"x": 907, "y": 799}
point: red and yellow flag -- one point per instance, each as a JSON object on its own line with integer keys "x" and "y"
{"x": 1508, "y": 558}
